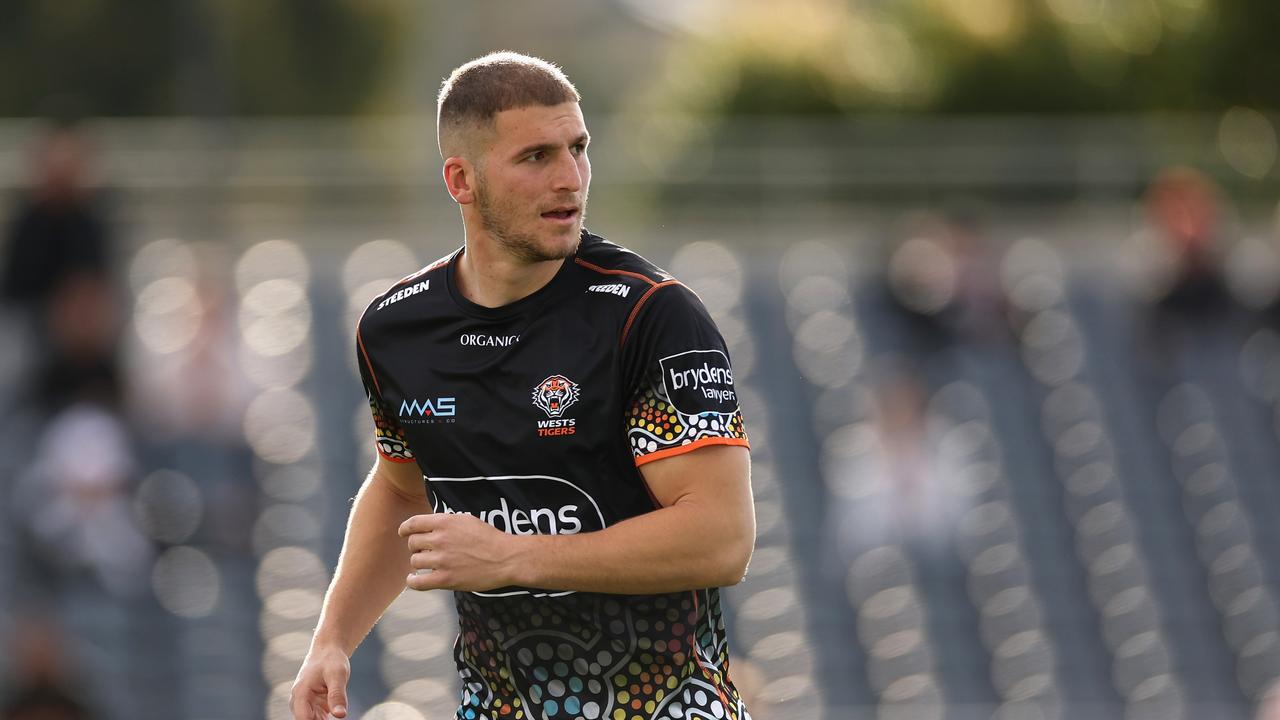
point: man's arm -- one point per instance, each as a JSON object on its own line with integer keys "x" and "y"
{"x": 367, "y": 579}
{"x": 702, "y": 536}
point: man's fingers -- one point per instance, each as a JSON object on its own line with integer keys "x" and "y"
{"x": 300, "y": 707}
{"x": 426, "y": 580}
{"x": 419, "y": 542}
{"x": 423, "y": 560}
{"x": 420, "y": 524}
{"x": 336, "y": 680}
{"x": 308, "y": 705}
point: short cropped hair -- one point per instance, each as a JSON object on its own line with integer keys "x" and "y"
{"x": 477, "y": 91}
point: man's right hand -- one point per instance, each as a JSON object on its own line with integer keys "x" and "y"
{"x": 320, "y": 690}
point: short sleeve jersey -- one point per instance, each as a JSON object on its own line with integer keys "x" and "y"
{"x": 536, "y": 417}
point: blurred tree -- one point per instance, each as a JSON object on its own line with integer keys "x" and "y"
{"x": 985, "y": 56}
{"x": 154, "y": 57}
{"x": 309, "y": 57}
{"x": 116, "y": 57}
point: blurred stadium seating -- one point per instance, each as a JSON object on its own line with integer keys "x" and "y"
{"x": 995, "y": 475}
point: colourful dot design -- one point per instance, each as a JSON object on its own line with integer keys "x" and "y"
{"x": 387, "y": 434}
{"x": 651, "y": 657}
{"x": 654, "y": 424}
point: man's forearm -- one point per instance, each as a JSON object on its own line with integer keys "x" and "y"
{"x": 681, "y": 547}
{"x": 701, "y": 536}
{"x": 371, "y": 568}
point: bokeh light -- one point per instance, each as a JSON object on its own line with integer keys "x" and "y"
{"x": 280, "y": 426}
{"x": 186, "y": 582}
{"x": 1247, "y": 140}
{"x": 275, "y": 317}
{"x": 168, "y": 506}
{"x": 167, "y": 314}
{"x": 272, "y": 260}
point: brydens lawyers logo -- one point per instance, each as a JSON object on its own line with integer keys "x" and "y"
{"x": 519, "y": 505}
{"x": 553, "y": 396}
{"x": 699, "y": 381}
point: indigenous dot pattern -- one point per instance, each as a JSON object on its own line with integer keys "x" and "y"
{"x": 654, "y": 423}
{"x": 387, "y": 434}
{"x": 594, "y": 656}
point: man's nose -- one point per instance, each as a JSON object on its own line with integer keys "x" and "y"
{"x": 568, "y": 177}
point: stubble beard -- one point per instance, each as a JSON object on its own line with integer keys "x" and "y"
{"x": 521, "y": 245}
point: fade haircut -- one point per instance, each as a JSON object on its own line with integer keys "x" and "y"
{"x": 477, "y": 91}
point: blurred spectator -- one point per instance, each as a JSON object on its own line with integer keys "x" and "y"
{"x": 57, "y": 274}
{"x": 74, "y": 502}
{"x": 80, "y": 557}
{"x": 72, "y": 497}
{"x": 944, "y": 278}
{"x": 41, "y": 688}
{"x": 1181, "y": 273}
{"x": 44, "y": 702}
{"x": 56, "y": 231}
{"x": 892, "y": 483}
{"x": 190, "y": 405}
{"x": 1182, "y": 208}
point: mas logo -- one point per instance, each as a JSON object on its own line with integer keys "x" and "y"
{"x": 555, "y": 394}
{"x": 699, "y": 381}
{"x": 428, "y": 410}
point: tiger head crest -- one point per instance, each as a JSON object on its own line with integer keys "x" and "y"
{"x": 555, "y": 394}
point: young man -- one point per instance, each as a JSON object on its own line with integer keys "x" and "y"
{"x": 559, "y": 442}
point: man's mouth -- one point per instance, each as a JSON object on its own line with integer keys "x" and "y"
{"x": 561, "y": 214}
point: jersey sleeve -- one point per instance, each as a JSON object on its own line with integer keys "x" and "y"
{"x": 682, "y": 395}
{"x": 388, "y": 437}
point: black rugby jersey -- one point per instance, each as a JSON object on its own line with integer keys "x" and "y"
{"x": 535, "y": 417}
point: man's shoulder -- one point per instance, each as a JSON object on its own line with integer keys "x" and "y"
{"x": 654, "y": 298}
{"x": 425, "y": 280}
{"x": 614, "y": 263}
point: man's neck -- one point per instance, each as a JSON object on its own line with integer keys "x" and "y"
{"x": 490, "y": 277}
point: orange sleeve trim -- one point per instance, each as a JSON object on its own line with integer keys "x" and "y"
{"x": 364, "y": 353}
{"x": 438, "y": 263}
{"x": 639, "y": 304}
{"x": 682, "y": 449}
{"x": 410, "y": 278}
{"x": 419, "y": 273}
{"x": 388, "y": 458}
{"x": 607, "y": 271}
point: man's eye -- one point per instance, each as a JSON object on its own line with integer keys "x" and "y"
{"x": 538, "y": 156}
{"x": 579, "y": 148}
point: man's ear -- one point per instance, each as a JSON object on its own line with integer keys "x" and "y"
{"x": 460, "y": 178}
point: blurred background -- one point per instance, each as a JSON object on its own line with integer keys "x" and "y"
{"x": 1000, "y": 279}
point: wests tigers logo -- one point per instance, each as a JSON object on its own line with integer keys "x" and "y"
{"x": 555, "y": 394}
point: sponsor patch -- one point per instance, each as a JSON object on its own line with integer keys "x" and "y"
{"x": 404, "y": 292}
{"x": 618, "y": 289}
{"x": 519, "y": 505}
{"x": 482, "y": 340}
{"x": 428, "y": 410}
{"x": 699, "y": 381}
